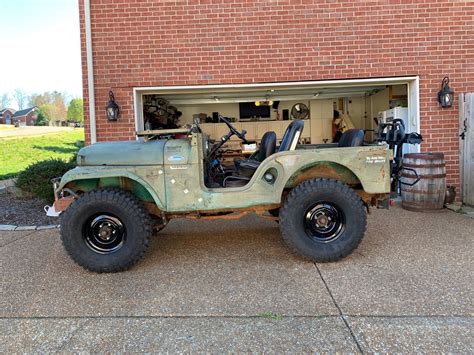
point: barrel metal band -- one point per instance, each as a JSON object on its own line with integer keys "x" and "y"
{"x": 424, "y": 165}
{"x": 435, "y": 176}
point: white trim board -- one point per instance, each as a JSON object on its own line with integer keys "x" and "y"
{"x": 297, "y": 84}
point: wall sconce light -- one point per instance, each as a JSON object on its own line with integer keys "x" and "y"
{"x": 112, "y": 109}
{"x": 445, "y": 95}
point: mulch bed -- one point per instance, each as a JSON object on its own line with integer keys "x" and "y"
{"x": 23, "y": 211}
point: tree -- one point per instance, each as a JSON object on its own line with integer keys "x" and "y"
{"x": 40, "y": 99}
{"x": 47, "y": 112}
{"x": 41, "y": 119}
{"x": 20, "y": 98}
{"x": 4, "y": 100}
{"x": 54, "y": 98}
{"x": 58, "y": 101}
{"x": 75, "y": 111}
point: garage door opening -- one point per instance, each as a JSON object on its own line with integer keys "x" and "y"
{"x": 258, "y": 108}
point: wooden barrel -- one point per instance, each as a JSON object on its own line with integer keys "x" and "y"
{"x": 429, "y": 192}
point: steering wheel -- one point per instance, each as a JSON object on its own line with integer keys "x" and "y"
{"x": 234, "y": 130}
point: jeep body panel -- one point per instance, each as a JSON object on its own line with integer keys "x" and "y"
{"x": 136, "y": 179}
{"x": 122, "y": 153}
{"x": 171, "y": 173}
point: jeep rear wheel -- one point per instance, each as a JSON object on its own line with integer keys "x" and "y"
{"x": 323, "y": 220}
{"x": 106, "y": 230}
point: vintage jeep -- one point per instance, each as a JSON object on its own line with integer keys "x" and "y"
{"x": 120, "y": 191}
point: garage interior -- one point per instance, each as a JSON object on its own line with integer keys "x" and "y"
{"x": 272, "y": 108}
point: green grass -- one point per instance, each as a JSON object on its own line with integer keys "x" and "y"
{"x": 17, "y": 153}
{"x": 270, "y": 315}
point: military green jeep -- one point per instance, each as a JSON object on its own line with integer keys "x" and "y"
{"x": 121, "y": 192}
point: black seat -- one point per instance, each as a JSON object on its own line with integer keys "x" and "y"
{"x": 291, "y": 136}
{"x": 267, "y": 147}
{"x": 290, "y": 139}
{"x": 352, "y": 138}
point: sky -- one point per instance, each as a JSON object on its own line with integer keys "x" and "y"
{"x": 40, "y": 47}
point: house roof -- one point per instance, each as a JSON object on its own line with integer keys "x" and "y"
{"x": 24, "y": 112}
{"x": 2, "y": 111}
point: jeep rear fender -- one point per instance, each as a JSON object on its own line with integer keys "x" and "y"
{"x": 324, "y": 169}
{"x": 86, "y": 179}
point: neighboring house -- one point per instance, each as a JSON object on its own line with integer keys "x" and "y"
{"x": 6, "y": 115}
{"x": 217, "y": 56}
{"x": 26, "y": 117}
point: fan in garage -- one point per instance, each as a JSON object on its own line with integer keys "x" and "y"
{"x": 299, "y": 111}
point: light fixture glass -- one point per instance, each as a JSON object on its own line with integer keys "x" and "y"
{"x": 112, "y": 109}
{"x": 446, "y": 94}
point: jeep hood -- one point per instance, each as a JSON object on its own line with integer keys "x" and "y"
{"x": 122, "y": 153}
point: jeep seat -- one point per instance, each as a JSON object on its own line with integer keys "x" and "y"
{"x": 267, "y": 148}
{"x": 352, "y": 138}
{"x": 292, "y": 134}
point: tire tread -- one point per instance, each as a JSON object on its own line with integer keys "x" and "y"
{"x": 126, "y": 201}
{"x": 312, "y": 186}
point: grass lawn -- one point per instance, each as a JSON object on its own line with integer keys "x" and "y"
{"x": 17, "y": 153}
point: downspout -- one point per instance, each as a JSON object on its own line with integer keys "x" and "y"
{"x": 90, "y": 71}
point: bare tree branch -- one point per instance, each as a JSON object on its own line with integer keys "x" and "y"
{"x": 20, "y": 98}
{"x": 4, "y": 100}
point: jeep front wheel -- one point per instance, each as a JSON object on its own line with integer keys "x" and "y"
{"x": 323, "y": 220}
{"x": 106, "y": 230}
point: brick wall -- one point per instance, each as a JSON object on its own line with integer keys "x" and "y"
{"x": 155, "y": 43}
{"x": 29, "y": 119}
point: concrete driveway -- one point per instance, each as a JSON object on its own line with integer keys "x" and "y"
{"x": 234, "y": 286}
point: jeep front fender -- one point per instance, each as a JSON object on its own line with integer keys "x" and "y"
{"x": 91, "y": 177}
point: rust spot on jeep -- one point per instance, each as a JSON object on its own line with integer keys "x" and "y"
{"x": 63, "y": 203}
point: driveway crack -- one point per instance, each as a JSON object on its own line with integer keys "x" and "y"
{"x": 61, "y": 346}
{"x": 17, "y": 239}
{"x": 341, "y": 315}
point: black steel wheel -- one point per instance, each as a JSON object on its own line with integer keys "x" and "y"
{"x": 106, "y": 230}
{"x": 104, "y": 233}
{"x": 323, "y": 220}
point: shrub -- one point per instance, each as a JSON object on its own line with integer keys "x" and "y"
{"x": 41, "y": 120}
{"x": 36, "y": 178}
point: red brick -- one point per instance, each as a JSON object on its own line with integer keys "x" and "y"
{"x": 155, "y": 43}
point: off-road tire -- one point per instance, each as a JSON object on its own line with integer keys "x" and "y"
{"x": 133, "y": 220}
{"x": 294, "y": 219}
